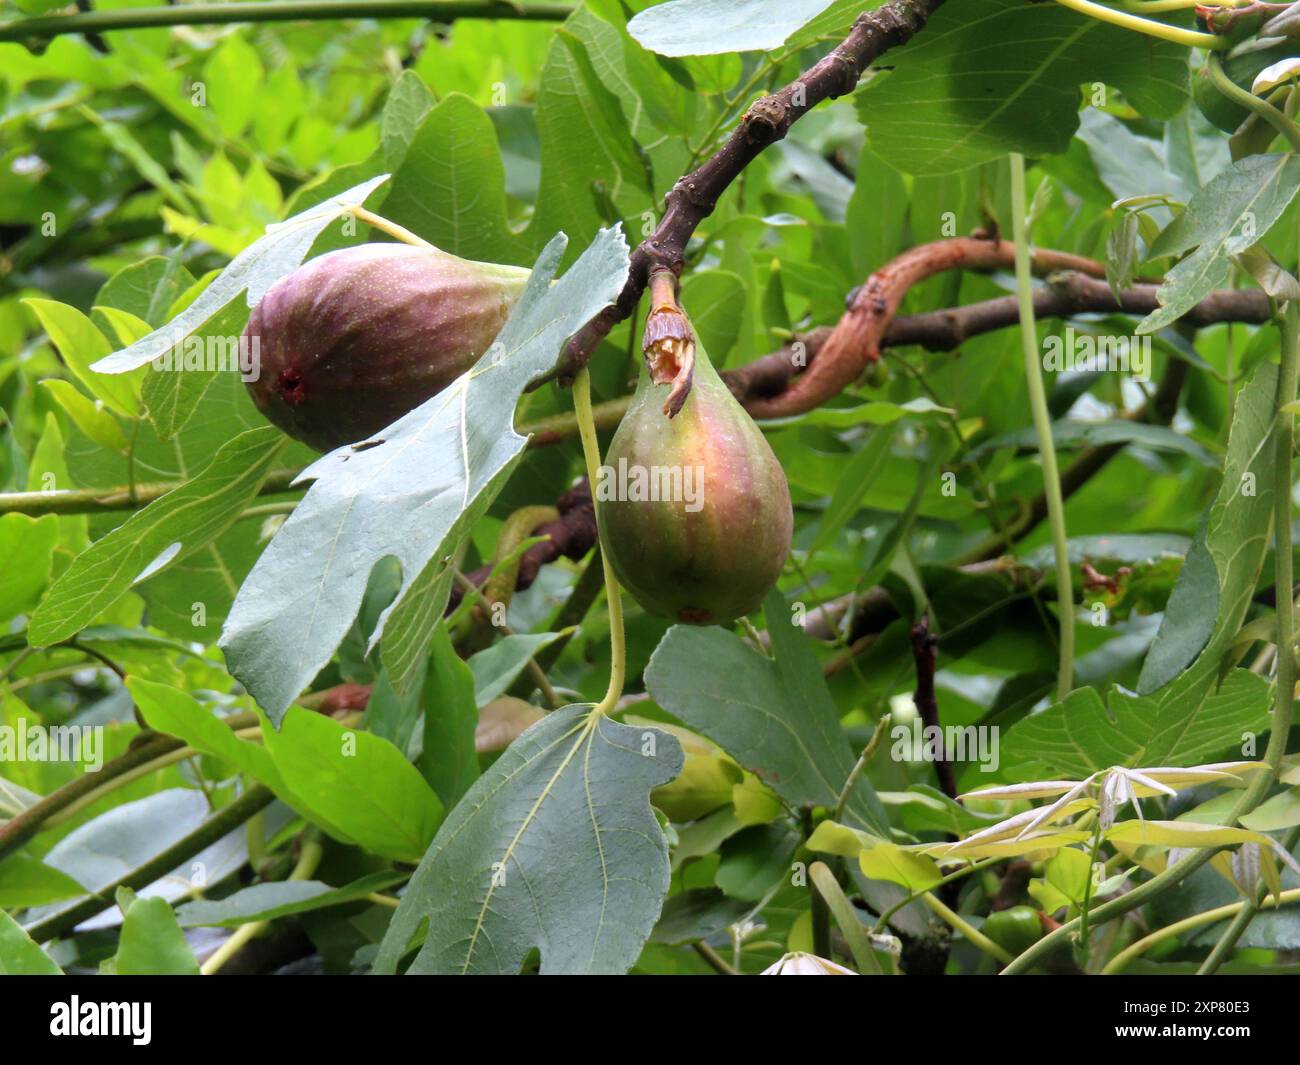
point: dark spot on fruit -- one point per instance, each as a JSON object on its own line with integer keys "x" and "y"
{"x": 293, "y": 389}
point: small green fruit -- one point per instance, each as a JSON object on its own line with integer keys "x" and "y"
{"x": 352, "y": 340}
{"x": 1015, "y": 929}
{"x": 694, "y": 508}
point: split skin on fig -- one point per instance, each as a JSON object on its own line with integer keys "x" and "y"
{"x": 694, "y": 509}
{"x": 354, "y": 339}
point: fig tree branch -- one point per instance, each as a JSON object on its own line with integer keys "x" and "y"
{"x": 225, "y": 820}
{"x": 766, "y": 378}
{"x": 867, "y": 325}
{"x": 18, "y": 830}
{"x": 119, "y": 497}
{"x": 36, "y": 30}
{"x": 764, "y": 386}
{"x": 695, "y": 195}
{"x": 925, "y": 651}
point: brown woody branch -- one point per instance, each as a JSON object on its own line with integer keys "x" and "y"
{"x": 925, "y": 651}
{"x": 762, "y": 384}
{"x": 869, "y": 323}
{"x": 572, "y": 535}
{"x": 694, "y": 196}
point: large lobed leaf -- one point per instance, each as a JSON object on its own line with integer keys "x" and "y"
{"x": 988, "y": 77}
{"x": 1080, "y": 735}
{"x": 712, "y": 27}
{"x": 412, "y": 493}
{"x": 575, "y": 785}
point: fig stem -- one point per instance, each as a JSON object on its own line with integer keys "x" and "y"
{"x": 591, "y": 453}
{"x": 378, "y": 221}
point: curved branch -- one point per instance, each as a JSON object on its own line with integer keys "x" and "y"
{"x": 764, "y": 380}
{"x": 856, "y": 340}
{"x": 694, "y": 196}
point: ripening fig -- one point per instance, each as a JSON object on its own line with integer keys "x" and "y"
{"x": 694, "y": 507}
{"x": 354, "y": 339}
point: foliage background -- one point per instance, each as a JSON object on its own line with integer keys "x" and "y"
{"x": 164, "y": 156}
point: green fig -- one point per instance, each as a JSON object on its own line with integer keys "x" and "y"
{"x": 693, "y": 506}
{"x": 354, "y": 339}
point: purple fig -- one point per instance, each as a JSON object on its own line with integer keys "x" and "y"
{"x": 694, "y": 507}
{"x": 354, "y": 339}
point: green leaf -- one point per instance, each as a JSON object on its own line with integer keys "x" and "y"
{"x": 19, "y": 956}
{"x": 857, "y": 476}
{"x": 81, "y": 344}
{"x": 176, "y": 713}
{"x": 408, "y": 102}
{"x": 1067, "y": 874}
{"x": 878, "y": 858}
{"x": 125, "y": 143}
{"x": 1236, "y": 209}
{"x": 130, "y": 834}
{"x": 593, "y": 172}
{"x": 152, "y": 943}
{"x": 448, "y": 759}
{"x": 714, "y": 27}
{"x": 495, "y": 668}
{"x": 283, "y": 898}
{"x": 357, "y": 781}
{"x": 575, "y": 784}
{"x": 922, "y": 808}
{"x": 450, "y": 187}
{"x": 890, "y": 862}
{"x": 88, "y": 415}
{"x": 1130, "y": 549}
{"x": 875, "y": 412}
{"x": 26, "y": 555}
{"x": 775, "y": 718}
{"x": 1182, "y": 834}
{"x": 233, "y": 75}
{"x": 756, "y": 859}
{"x": 169, "y": 529}
{"x": 1078, "y": 735}
{"x": 697, "y": 914}
{"x": 255, "y": 269}
{"x": 1273, "y": 815}
{"x": 27, "y": 882}
{"x": 1219, "y": 576}
{"x": 987, "y": 77}
{"x": 147, "y": 288}
{"x": 716, "y": 301}
{"x": 414, "y": 496}
{"x": 878, "y": 235}
{"x": 1067, "y": 433}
